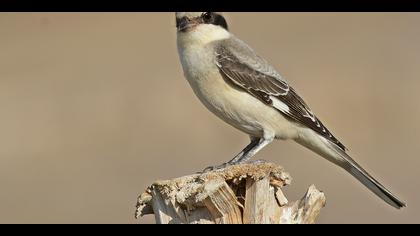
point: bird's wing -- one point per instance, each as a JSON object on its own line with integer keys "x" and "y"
{"x": 243, "y": 68}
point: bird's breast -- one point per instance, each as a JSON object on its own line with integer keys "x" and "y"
{"x": 205, "y": 79}
{"x": 234, "y": 106}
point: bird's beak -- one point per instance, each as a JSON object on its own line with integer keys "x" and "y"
{"x": 184, "y": 24}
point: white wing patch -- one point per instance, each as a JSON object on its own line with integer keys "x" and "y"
{"x": 310, "y": 115}
{"x": 280, "y": 105}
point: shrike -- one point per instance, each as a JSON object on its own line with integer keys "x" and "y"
{"x": 242, "y": 89}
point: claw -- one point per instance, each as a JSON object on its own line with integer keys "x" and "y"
{"x": 224, "y": 165}
{"x": 260, "y": 161}
{"x": 212, "y": 168}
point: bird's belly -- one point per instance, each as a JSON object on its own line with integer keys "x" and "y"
{"x": 240, "y": 109}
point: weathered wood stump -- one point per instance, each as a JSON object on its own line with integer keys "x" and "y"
{"x": 246, "y": 193}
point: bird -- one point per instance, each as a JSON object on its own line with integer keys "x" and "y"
{"x": 244, "y": 90}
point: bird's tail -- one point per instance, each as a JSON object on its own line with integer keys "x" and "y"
{"x": 338, "y": 156}
{"x": 371, "y": 183}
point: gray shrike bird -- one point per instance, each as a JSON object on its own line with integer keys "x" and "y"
{"x": 242, "y": 89}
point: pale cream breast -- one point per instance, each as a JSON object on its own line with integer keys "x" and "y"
{"x": 234, "y": 106}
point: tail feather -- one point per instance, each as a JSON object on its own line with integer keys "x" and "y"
{"x": 371, "y": 183}
{"x": 337, "y": 155}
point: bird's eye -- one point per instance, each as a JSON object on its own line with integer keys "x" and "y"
{"x": 207, "y": 16}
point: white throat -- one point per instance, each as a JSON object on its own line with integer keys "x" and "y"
{"x": 202, "y": 35}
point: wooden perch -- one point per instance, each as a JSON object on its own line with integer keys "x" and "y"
{"x": 246, "y": 193}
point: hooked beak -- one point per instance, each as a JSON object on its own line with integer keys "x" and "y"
{"x": 184, "y": 24}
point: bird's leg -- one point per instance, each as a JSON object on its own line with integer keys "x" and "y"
{"x": 254, "y": 142}
{"x": 250, "y": 146}
{"x": 249, "y": 151}
{"x": 247, "y": 154}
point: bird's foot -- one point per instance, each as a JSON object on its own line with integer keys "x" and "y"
{"x": 224, "y": 165}
{"x": 218, "y": 167}
{"x": 260, "y": 161}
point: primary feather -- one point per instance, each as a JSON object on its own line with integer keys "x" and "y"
{"x": 244, "y": 69}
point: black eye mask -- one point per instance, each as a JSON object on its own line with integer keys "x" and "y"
{"x": 214, "y": 19}
{"x": 206, "y": 18}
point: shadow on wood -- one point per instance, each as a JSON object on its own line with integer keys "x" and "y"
{"x": 245, "y": 193}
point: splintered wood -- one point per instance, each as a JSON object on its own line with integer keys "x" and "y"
{"x": 240, "y": 194}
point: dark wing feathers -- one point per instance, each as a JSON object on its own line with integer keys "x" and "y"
{"x": 246, "y": 70}
{"x": 246, "y": 76}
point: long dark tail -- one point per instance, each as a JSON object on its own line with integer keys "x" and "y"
{"x": 371, "y": 183}
{"x": 335, "y": 154}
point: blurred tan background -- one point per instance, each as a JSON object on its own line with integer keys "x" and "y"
{"x": 94, "y": 107}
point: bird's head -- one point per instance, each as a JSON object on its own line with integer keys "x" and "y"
{"x": 206, "y": 26}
